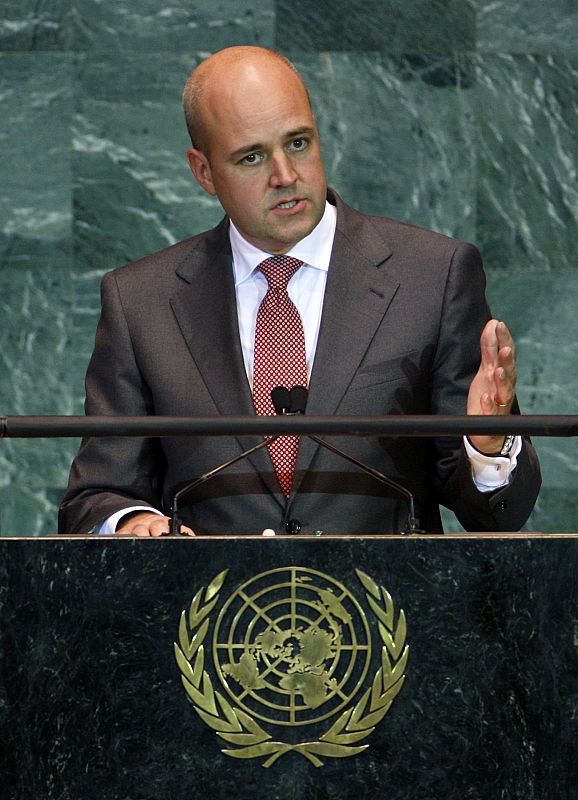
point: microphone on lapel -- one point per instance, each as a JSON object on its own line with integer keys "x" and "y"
{"x": 295, "y": 402}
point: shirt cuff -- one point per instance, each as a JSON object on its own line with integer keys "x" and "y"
{"x": 492, "y": 472}
{"x": 108, "y": 527}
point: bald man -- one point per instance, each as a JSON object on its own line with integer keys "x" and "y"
{"x": 394, "y": 321}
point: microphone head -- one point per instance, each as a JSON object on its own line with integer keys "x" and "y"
{"x": 281, "y": 400}
{"x": 298, "y": 399}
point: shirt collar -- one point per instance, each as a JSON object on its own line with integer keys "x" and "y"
{"x": 314, "y": 249}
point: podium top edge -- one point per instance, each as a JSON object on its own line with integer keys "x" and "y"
{"x": 302, "y": 537}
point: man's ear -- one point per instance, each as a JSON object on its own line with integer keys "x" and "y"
{"x": 201, "y": 169}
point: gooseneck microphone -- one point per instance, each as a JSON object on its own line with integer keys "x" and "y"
{"x": 295, "y": 402}
{"x": 289, "y": 403}
{"x": 175, "y": 527}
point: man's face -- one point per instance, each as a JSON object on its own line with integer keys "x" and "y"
{"x": 263, "y": 158}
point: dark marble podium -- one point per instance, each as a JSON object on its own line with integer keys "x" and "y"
{"x": 92, "y": 703}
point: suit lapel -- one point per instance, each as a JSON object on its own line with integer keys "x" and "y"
{"x": 357, "y": 295}
{"x": 205, "y": 309}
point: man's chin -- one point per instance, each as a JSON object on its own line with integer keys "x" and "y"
{"x": 279, "y": 236}
{"x": 293, "y": 230}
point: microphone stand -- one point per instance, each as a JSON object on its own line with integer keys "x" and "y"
{"x": 412, "y": 520}
{"x": 292, "y": 403}
{"x": 175, "y": 527}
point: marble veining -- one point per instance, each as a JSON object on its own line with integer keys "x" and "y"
{"x": 527, "y": 192}
{"x": 176, "y": 25}
{"x": 522, "y": 26}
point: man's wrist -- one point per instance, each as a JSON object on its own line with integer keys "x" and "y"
{"x": 492, "y": 472}
{"x": 501, "y": 450}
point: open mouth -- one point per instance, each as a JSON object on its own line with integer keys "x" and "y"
{"x": 293, "y": 206}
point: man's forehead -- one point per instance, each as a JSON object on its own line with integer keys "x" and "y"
{"x": 260, "y": 118}
{"x": 247, "y": 104}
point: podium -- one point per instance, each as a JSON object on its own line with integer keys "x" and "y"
{"x": 289, "y": 668}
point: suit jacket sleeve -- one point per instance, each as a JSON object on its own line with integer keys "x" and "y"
{"x": 109, "y": 474}
{"x": 464, "y": 314}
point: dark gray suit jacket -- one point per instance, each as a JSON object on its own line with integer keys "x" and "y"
{"x": 402, "y": 315}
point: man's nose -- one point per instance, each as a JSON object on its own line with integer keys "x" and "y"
{"x": 283, "y": 171}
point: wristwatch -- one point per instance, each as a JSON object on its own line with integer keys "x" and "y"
{"x": 508, "y": 444}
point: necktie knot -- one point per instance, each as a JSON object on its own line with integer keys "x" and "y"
{"x": 279, "y": 270}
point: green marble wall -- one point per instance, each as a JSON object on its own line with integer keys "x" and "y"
{"x": 469, "y": 108}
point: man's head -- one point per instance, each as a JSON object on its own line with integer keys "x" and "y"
{"x": 256, "y": 145}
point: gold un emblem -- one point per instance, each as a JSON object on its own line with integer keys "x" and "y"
{"x": 291, "y": 650}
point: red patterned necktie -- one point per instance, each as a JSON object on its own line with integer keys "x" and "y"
{"x": 280, "y": 358}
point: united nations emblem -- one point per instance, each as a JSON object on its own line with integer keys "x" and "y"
{"x": 291, "y": 648}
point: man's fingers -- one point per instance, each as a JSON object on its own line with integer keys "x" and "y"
{"x": 493, "y": 389}
{"x": 489, "y": 347}
{"x": 147, "y": 524}
{"x": 506, "y": 356}
{"x": 505, "y": 390}
{"x": 139, "y": 530}
{"x": 159, "y": 526}
{"x": 507, "y": 365}
{"x": 496, "y": 343}
{"x": 487, "y": 405}
{"x": 144, "y": 524}
{"x": 504, "y": 336}
{"x": 142, "y": 529}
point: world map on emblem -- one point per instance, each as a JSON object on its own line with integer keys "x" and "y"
{"x": 292, "y": 646}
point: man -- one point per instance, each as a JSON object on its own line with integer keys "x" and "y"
{"x": 392, "y": 319}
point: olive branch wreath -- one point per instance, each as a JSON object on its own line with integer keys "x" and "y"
{"x": 250, "y": 740}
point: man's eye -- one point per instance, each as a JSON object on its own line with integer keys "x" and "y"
{"x": 251, "y": 159}
{"x": 298, "y": 144}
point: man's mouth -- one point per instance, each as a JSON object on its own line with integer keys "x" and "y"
{"x": 287, "y": 204}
